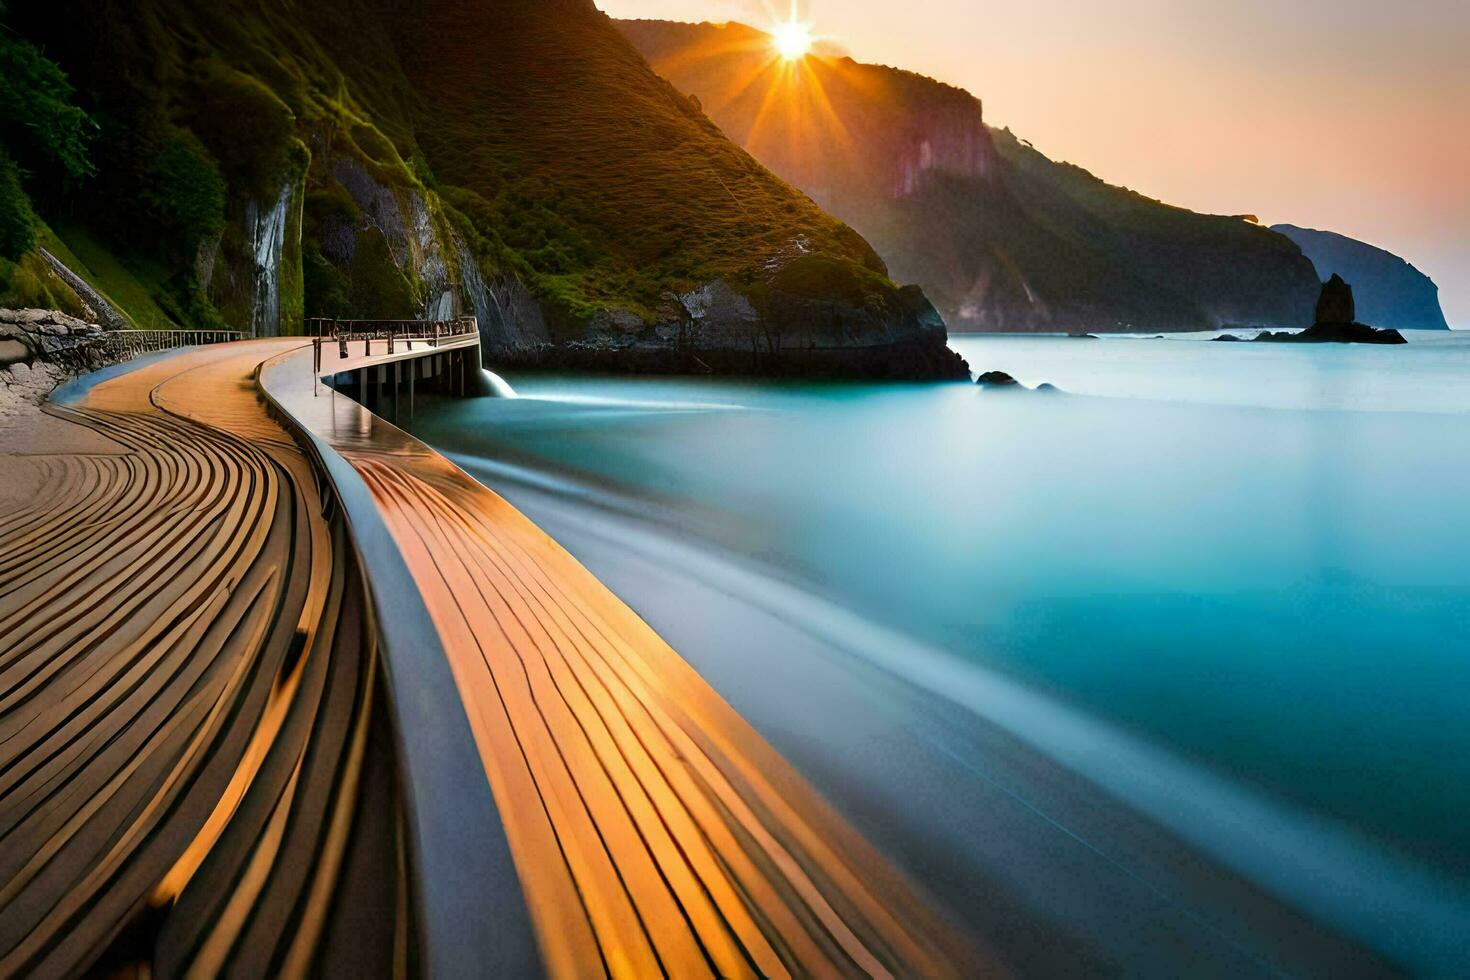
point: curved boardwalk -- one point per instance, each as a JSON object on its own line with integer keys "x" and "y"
{"x": 655, "y": 833}
{"x": 197, "y": 770}
{"x": 186, "y": 694}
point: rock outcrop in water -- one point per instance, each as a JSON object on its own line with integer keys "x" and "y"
{"x": 793, "y": 328}
{"x": 1390, "y": 292}
{"x": 996, "y": 379}
{"x": 1336, "y": 302}
{"x": 1000, "y": 381}
{"x": 1336, "y": 322}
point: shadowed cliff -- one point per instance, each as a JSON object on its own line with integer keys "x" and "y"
{"x": 1390, "y": 291}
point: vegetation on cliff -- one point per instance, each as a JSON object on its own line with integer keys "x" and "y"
{"x": 999, "y": 236}
{"x": 258, "y": 162}
{"x": 40, "y": 129}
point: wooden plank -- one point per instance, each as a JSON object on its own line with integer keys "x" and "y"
{"x": 168, "y": 631}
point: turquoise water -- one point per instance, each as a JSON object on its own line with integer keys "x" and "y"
{"x": 1246, "y": 565}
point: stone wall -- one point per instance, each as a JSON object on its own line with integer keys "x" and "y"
{"x": 41, "y": 349}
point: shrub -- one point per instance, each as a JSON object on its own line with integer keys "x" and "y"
{"x": 183, "y": 190}
{"x": 324, "y": 286}
{"x": 246, "y": 126}
{"x": 36, "y": 111}
{"x": 31, "y": 283}
{"x": 379, "y": 290}
{"x": 17, "y": 220}
{"x": 820, "y": 276}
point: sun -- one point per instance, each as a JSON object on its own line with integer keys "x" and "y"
{"x": 793, "y": 40}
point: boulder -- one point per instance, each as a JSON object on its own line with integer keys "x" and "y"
{"x": 995, "y": 379}
{"x": 24, "y": 317}
{"x": 1335, "y": 305}
{"x": 23, "y": 387}
{"x": 13, "y": 351}
{"x": 1001, "y": 381}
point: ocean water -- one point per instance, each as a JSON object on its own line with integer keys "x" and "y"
{"x": 1167, "y": 671}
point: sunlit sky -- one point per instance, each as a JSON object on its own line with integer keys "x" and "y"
{"x": 1351, "y": 116}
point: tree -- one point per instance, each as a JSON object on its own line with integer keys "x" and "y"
{"x": 17, "y": 221}
{"x": 38, "y": 122}
{"x": 182, "y": 189}
{"x": 36, "y": 109}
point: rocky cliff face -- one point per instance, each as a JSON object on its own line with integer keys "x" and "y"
{"x": 998, "y": 235}
{"x": 1390, "y": 292}
{"x": 843, "y": 131}
{"x": 946, "y": 139}
{"x": 266, "y": 163}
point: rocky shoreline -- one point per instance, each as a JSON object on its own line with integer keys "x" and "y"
{"x": 807, "y": 321}
{"x": 902, "y": 361}
{"x": 41, "y": 350}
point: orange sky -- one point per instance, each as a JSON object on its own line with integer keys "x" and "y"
{"x": 1349, "y": 116}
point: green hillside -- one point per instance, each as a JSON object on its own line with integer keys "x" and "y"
{"x": 624, "y": 186}
{"x": 257, "y": 163}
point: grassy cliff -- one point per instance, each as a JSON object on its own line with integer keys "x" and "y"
{"x": 1000, "y": 236}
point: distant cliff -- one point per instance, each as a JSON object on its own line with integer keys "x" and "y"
{"x": 1390, "y": 292}
{"x": 260, "y": 163}
{"x": 843, "y": 132}
{"x": 999, "y": 236}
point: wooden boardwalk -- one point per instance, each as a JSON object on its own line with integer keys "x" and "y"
{"x": 219, "y": 748}
{"x": 654, "y": 831}
{"x": 186, "y": 693}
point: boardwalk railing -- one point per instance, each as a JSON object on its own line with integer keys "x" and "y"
{"x": 389, "y": 332}
{"x": 130, "y": 343}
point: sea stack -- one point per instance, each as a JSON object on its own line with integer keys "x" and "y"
{"x": 1335, "y": 305}
{"x": 1336, "y": 322}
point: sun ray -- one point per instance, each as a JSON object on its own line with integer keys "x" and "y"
{"x": 776, "y": 87}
